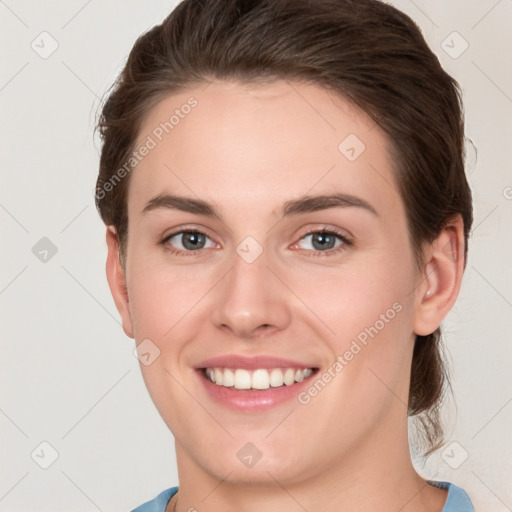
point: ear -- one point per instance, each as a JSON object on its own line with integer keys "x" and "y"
{"x": 117, "y": 281}
{"x": 441, "y": 278}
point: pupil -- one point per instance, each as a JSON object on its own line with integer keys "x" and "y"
{"x": 192, "y": 240}
{"x": 323, "y": 241}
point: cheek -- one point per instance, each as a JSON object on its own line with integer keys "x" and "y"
{"x": 164, "y": 305}
{"x": 366, "y": 312}
{"x": 162, "y": 296}
{"x": 355, "y": 296}
{"x": 370, "y": 359}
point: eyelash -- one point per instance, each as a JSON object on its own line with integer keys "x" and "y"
{"x": 325, "y": 230}
{"x": 328, "y": 231}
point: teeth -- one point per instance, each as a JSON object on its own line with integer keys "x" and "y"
{"x": 289, "y": 376}
{"x": 260, "y": 379}
{"x": 228, "y": 379}
{"x": 242, "y": 379}
{"x": 257, "y": 379}
{"x": 276, "y": 378}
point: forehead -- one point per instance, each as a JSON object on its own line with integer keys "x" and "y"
{"x": 257, "y": 145}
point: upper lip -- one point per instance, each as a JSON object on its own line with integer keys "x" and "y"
{"x": 251, "y": 363}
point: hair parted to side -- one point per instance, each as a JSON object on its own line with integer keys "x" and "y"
{"x": 366, "y": 51}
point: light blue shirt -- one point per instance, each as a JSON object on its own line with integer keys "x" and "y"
{"x": 457, "y": 500}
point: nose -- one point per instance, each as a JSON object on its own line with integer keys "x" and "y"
{"x": 251, "y": 300}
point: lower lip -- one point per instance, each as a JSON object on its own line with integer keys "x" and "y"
{"x": 252, "y": 399}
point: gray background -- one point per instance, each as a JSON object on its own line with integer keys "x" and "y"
{"x": 68, "y": 377}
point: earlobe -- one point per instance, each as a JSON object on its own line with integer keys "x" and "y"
{"x": 441, "y": 279}
{"x": 117, "y": 280}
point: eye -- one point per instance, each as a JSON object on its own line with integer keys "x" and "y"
{"x": 323, "y": 242}
{"x": 318, "y": 242}
{"x": 191, "y": 240}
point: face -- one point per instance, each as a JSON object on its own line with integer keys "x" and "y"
{"x": 268, "y": 251}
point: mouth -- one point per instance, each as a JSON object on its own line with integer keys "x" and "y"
{"x": 254, "y": 384}
{"x": 243, "y": 379}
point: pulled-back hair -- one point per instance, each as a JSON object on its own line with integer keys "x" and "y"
{"x": 366, "y": 51}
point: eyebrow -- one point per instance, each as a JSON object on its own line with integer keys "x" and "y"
{"x": 305, "y": 204}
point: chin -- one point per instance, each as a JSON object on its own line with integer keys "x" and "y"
{"x": 258, "y": 464}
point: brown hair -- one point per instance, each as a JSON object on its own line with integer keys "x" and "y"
{"x": 365, "y": 50}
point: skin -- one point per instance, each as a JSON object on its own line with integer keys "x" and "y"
{"x": 248, "y": 149}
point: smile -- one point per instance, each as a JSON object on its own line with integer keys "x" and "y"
{"x": 258, "y": 379}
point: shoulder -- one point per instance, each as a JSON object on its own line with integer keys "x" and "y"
{"x": 457, "y": 499}
{"x": 159, "y": 503}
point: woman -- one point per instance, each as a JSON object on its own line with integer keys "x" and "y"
{"x": 287, "y": 222}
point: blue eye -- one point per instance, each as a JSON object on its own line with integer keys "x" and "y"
{"x": 190, "y": 242}
{"x": 323, "y": 242}
{"x": 187, "y": 241}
